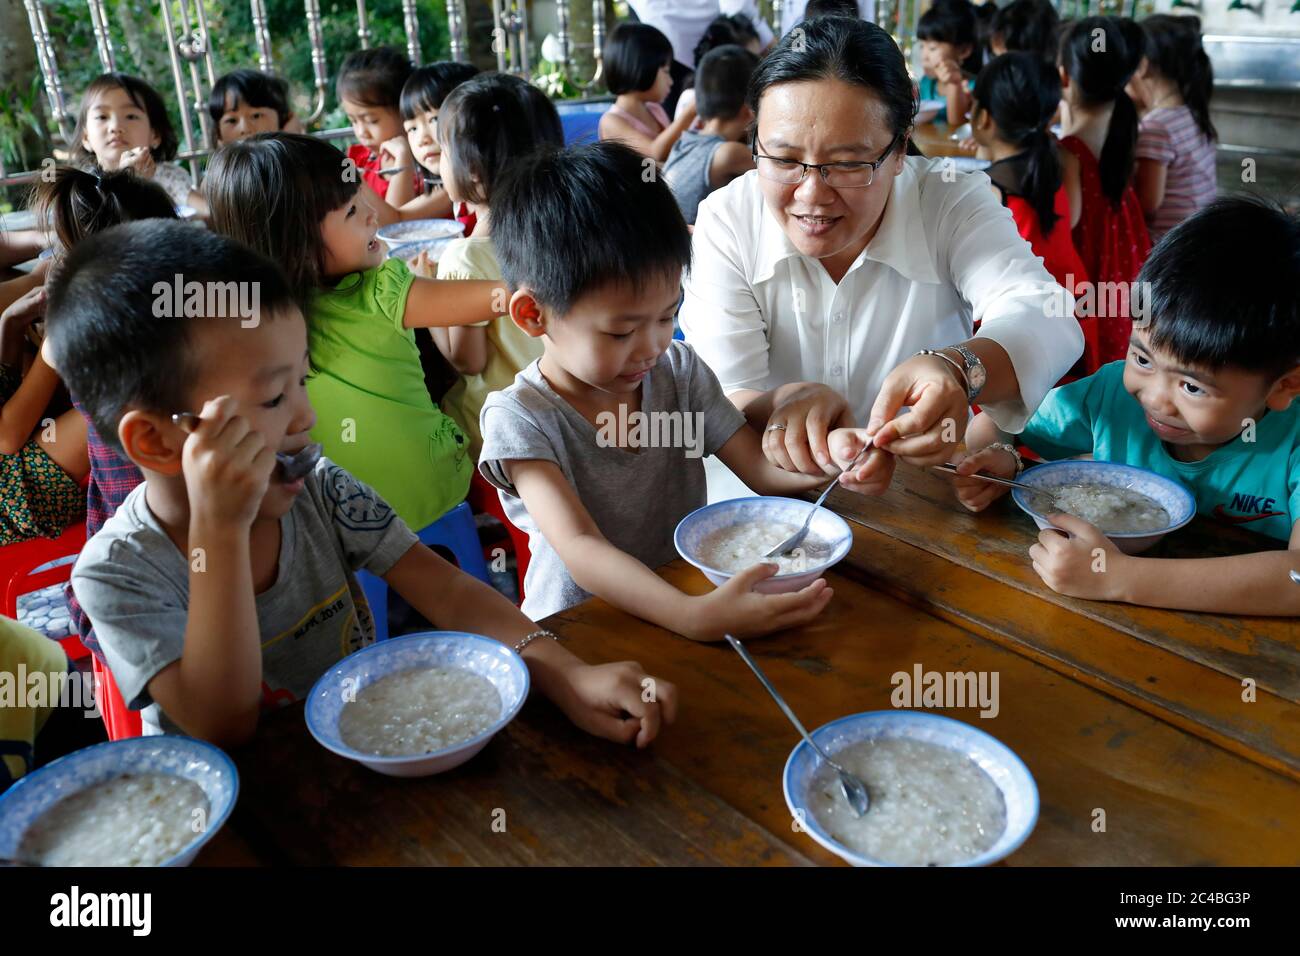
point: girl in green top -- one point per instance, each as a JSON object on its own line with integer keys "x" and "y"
{"x": 295, "y": 198}
{"x": 484, "y": 124}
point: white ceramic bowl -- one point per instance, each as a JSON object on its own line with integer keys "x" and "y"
{"x": 826, "y": 525}
{"x": 419, "y": 230}
{"x": 1008, "y": 772}
{"x": 1169, "y": 494}
{"x": 472, "y": 652}
{"x": 185, "y": 757}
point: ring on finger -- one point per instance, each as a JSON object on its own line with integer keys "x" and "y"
{"x": 775, "y": 428}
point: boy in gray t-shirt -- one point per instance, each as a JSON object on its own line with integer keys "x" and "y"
{"x": 225, "y": 584}
{"x": 595, "y": 251}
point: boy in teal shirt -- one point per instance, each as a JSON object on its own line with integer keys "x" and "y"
{"x": 1205, "y": 397}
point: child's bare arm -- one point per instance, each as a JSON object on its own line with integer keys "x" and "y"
{"x": 467, "y": 349}
{"x": 606, "y": 700}
{"x": 22, "y": 413}
{"x": 610, "y": 573}
{"x": 214, "y": 691}
{"x": 1090, "y": 566}
{"x": 435, "y": 204}
{"x": 442, "y": 303}
{"x": 743, "y": 454}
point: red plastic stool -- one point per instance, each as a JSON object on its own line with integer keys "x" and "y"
{"x": 484, "y": 499}
{"x": 119, "y": 721}
{"x": 17, "y": 562}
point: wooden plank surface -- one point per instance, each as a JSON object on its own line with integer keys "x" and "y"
{"x": 933, "y": 140}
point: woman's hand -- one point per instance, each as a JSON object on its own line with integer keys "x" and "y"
{"x": 933, "y": 428}
{"x": 871, "y": 475}
{"x": 806, "y": 415}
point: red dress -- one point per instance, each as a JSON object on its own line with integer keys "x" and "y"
{"x": 1113, "y": 243}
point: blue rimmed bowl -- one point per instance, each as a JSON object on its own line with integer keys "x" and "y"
{"x": 409, "y": 250}
{"x": 1170, "y": 495}
{"x": 193, "y": 760}
{"x": 419, "y": 230}
{"x": 1008, "y": 772}
{"x": 472, "y": 652}
{"x": 693, "y": 530}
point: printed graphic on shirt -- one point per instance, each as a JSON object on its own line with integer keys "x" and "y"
{"x": 1249, "y": 507}
{"x": 334, "y": 619}
{"x": 355, "y": 507}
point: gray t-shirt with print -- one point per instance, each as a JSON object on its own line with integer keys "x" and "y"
{"x": 134, "y": 585}
{"x": 635, "y": 497}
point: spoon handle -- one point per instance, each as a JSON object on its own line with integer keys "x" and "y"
{"x": 776, "y": 696}
{"x": 952, "y": 470}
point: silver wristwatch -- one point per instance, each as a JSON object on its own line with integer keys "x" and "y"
{"x": 971, "y": 368}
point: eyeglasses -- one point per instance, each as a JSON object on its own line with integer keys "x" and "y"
{"x": 836, "y": 175}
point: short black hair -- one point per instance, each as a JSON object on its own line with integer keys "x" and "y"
{"x": 722, "y": 80}
{"x": 272, "y": 191}
{"x": 1028, "y": 26}
{"x": 831, "y": 8}
{"x": 948, "y": 21}
{"x": 253, "y": 87}
{"x": 427, "y": 86}
{"x": 142, "y": 95}
{"x": 489, "y": 122}
{"x": 634, "y": 53}
{"x": 1221, "y": 287}
{"x": 374, "y": 77}
{"x": 110, "y": 347}
{"x": 566, "y": 221}
{"x": 723, "y": 30}
{"x": 854, "y": 51}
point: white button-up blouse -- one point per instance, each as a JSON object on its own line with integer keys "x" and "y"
{"x": 946, "y": 254}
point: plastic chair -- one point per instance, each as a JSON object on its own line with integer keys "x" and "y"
{"x": 454, "y": 531}
{"x": 485, "y": 500}
{"x": 18, "y": 574}
{"x": 119, "y": 720}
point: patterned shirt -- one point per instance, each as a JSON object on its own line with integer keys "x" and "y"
{"x": 1169, "y": 136}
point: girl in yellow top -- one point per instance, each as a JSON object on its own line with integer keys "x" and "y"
{"x": 484, "y": 125}
{"x": 297, "y": 200}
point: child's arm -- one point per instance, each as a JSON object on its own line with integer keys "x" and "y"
{"x": 656, "y": 147}
{"x": 214, "y": 691}
{"x": 743, "y": 454}
{"x": 1149, "y": 181}
{"x": 607, "y": 700}
{"x": 604, "y": 570}
{"x": 952, "y": 86}
{"x": 731, "y": 160}
{"x": 393, "y": 153}
{"x": 435, "y": 204}
{"x": 1089, "y": 566}
{"x": 467, "y": 349}
{"x": 442, "y": 303}
{"x": 22, "y": 413}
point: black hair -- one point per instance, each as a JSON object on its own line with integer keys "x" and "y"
{"x": 567, "y": 221}
{"x": 831, "y": 8}
{"x": 1100, "y": 55}
{"x": 253, "y": 87}
{"x": 74, "y": 203}
{"x": 111, "y": 346}
{"x": 722, "y": 80}
{"x": 374, "y": 77}
{"x": 725, "y": 30}
{"x": 142, "y": 95}
{"x": 1222, "y": 287}
{"x": 952, "y": 21}
{"x": 854, "y": 51}
{"x": 1028, "y": 26}
{"x": 489, "y": 122}
{"x": 1173, "y": 48}
{"x": 427, "y": 86}
{"x": 634, "y": 54}
{"x": 1021, "y": 92}
{"x": 272, "y": 191}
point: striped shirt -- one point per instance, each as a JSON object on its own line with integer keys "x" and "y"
{"x": 1169, "y": 135}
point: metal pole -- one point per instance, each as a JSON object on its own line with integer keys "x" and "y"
{"x": 103, "y": 42}
{"x": 597, "y": 45}
{"x": 363, "y": 28}
{"x": 562, "y": 34}
{"x": 319, "y": 74}
{"x": 49, "y": 68}
{"x": 262, "y": 35}
{"x": 412, "y": 24}
{"x": 456, "y": 29}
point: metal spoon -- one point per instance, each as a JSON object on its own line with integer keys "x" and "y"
{"x": 1295, "y": 577}
{"x": 290, "y": 467}
{"x": 796, "y": 539}
{"x": 952, "y": 469}
{"x": 855, "y": 791}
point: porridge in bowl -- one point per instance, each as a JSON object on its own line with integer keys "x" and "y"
{"x": 930, "y": 805}
{"x": 132, "y": 820}
{"x": 1113, "y": 509}
{"x": 743, "y": 545}
{"x": 419, "y": 711}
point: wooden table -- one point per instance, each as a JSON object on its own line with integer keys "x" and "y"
{"x": 934, "y": 139}
{"x": 1134, "y": 712}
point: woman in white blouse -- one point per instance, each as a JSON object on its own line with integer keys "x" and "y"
{"x": 818, "y": 279}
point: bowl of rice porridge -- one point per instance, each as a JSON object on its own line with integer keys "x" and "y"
{"x": 144, "y": 801}
{"x": 724, "y": 538}
{"x": 942, "y": 792}
{"x": 1133, "y": 507}
{"x": 417, "y": 705}
{"x": 419, "y": 230}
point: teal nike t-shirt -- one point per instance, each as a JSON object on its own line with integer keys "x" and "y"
{"x": 1255, "y": 484}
